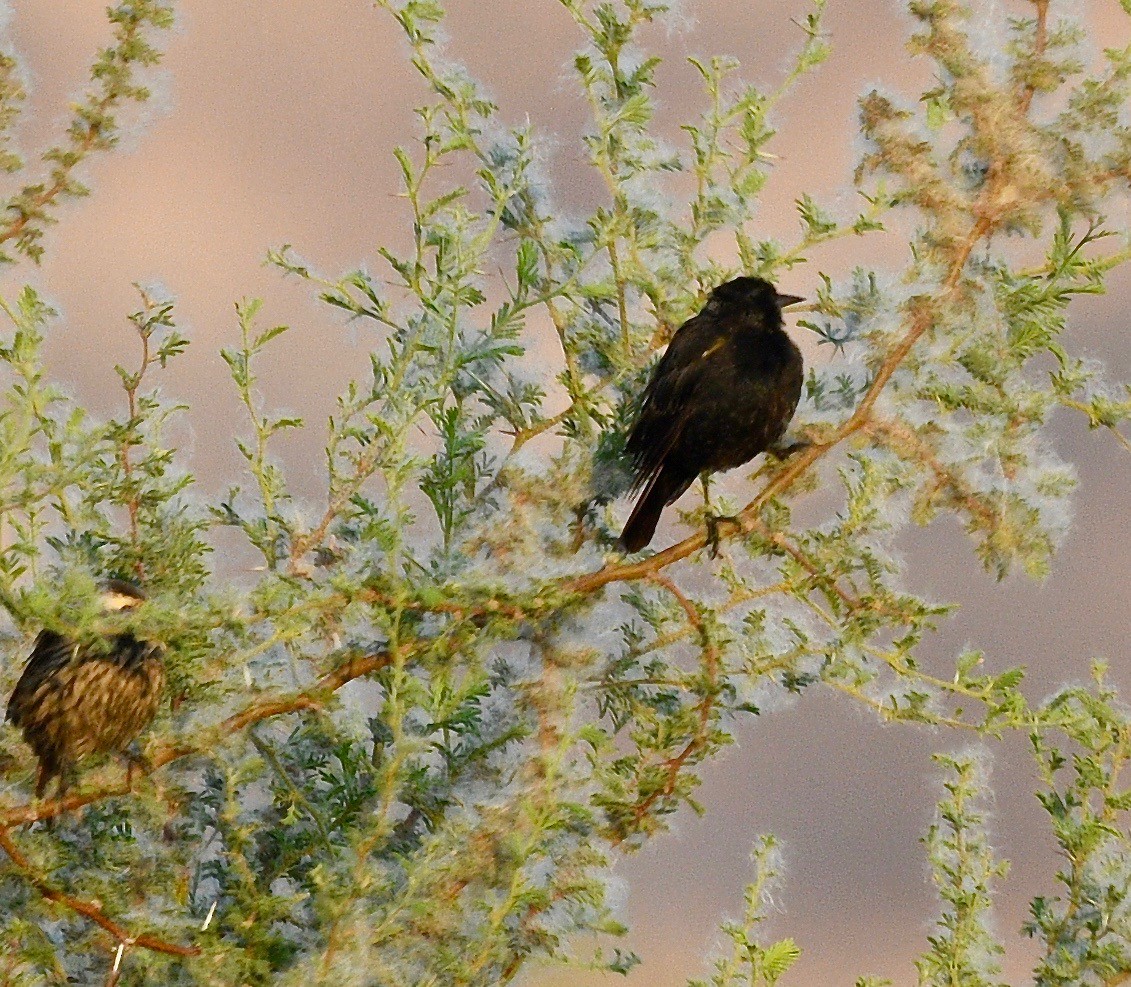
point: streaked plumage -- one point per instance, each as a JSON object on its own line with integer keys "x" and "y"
{"x": 76, "y": 699}
{"x": 724, "y": 391}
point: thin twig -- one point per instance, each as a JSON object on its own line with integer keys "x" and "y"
{"x": 1094, "y": 423}
{"x": 674, "y": 765}
{"x": 904, "y": 440}
{"x": 131, "y": 385}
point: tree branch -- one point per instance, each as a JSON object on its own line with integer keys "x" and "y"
{"x": 86, "y": 908}
{"x": 311, "y": 698}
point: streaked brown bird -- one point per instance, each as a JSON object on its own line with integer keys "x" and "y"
{"x": 724, "y": 391}
{"x": 75, "y": 699}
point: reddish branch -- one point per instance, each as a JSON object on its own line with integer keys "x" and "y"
{"x": 794, "y": 552}
{"x": 95, "y": 115}
{"x": 62, "y": 178}
{"x": 905, "y": 441}
{"x": 311, "y": 698}
{"x": 47, "y": 196}
{"x": 87, "y": 908}
{"x": 674, "y": 765}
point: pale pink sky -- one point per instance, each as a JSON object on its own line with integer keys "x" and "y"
{"x": 277, "y": 126}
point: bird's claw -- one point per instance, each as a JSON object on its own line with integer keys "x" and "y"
{"x": 135, "y": 761}
{"x": 713, "y": 522}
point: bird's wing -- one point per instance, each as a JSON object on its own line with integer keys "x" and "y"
{"x": 668, "y": 399}
{"x": 51, "y": 653}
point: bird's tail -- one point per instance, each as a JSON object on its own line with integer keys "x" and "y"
{"x": 641, "y": 523}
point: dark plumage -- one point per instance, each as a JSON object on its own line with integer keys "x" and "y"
{"x": 724, "y": 391}
{"x": 75, "y": 699}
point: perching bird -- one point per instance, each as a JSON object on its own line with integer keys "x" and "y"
{"x": 724, "y": 391}
{"x": 77, "y": 698}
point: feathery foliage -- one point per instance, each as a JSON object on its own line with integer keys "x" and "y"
{"x": 408, "y": 754}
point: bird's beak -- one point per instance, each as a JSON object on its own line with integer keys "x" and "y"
{"x": 784, "y": 300}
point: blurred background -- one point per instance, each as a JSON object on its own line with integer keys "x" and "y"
{"x": 274, "y": 123}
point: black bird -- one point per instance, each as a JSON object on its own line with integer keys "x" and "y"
{"x": 724, "y": 391}
{"x": 75, "y": 699}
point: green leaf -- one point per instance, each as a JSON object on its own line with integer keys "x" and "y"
{"x": 778, "y": 958}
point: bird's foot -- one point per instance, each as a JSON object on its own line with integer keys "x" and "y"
{"x": 713, "y": 523}
{"x": 47, "y": 823}
{"x": 716, "y": 521}
{"x": 135, "y": 760}
{"x": 64, "y": 780}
